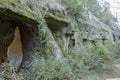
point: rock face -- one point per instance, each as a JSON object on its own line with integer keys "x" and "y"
{"x": 6, "y": 37}
{"x": 51, "y": 17}
{"x": 11, "y": 44}
{"x": 9, "y": 11}
{"x": 94, "y": 29}
{"x": 15, "y": 53}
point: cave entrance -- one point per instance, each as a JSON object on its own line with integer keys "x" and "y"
{"x": 57, "y": 27}
{"x": 7, "y": 35}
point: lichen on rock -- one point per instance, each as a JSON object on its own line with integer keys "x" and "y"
{"x": 17, "y": 12}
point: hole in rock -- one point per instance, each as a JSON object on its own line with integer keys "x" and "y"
{"x": 7, "y": 36}
{"x": 57, "y": 27}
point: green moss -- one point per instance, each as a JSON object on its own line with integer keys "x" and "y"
{"x": 57, "y": 18}
{"x": 15, "y": 11}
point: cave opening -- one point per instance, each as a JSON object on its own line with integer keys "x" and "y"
{"x": 57, "y": 27}
{"x": 7, "y": 35}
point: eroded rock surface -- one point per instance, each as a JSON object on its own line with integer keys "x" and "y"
{"x": 6, "y": 37}
{"x": 93, "y": 29}
{"x": 15, "y": 53}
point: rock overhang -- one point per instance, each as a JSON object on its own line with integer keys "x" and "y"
{"x": 25, "y": 18}
{"x": 10, "y": 10}
{"x": 13, "y": 14}
{"x": 55, "y": 23}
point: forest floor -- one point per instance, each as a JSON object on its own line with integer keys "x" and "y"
{"x": 115, "y": 75}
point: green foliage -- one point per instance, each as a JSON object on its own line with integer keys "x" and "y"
{"x": 102, "y": 12}
{"x": 94, "y": 76}
{"x": 73, "y": 5}
{"x": 114, "y": 48}
{"x": 96, "y": 56}
{"x": 50, "y": 70}
{"x": 32, "y": 4}
{"x": 77, "y": 64}
{"x": 2, "y": 79}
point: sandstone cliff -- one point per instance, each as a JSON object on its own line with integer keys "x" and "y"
{"x": 43, "y": 24}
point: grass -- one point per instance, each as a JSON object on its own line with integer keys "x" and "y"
{"x": 87, "y": 61}
{"x": 83, "y": 61}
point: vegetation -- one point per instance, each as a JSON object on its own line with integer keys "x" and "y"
{"x": 80, "y": 62}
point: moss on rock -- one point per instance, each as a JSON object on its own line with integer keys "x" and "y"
{"x": 17, "y": 12}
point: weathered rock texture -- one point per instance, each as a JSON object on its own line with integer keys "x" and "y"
{"x": 14, "y": 52}
{"x": 10, "y": 17}
{"x": 51, "y": 16}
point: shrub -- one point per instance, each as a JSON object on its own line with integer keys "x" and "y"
{"x": 51, "y": 69}
{"x": 114, "y": 48}
{"x": 2, "y": 79}
{"x": 77, "y": 63}
{"x": 73, "y": 5}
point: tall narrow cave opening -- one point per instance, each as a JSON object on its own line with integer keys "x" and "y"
{"x": 7, "y": 35}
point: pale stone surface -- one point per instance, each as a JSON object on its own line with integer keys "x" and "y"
{"x": 53, "y": 6}
{"x": 113, "y": 79}
{"x": 116, "y": 74}
{"x": 94, "y": 29}
{"x": 53, "y": 45}
{"x": 14, "y": 53}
